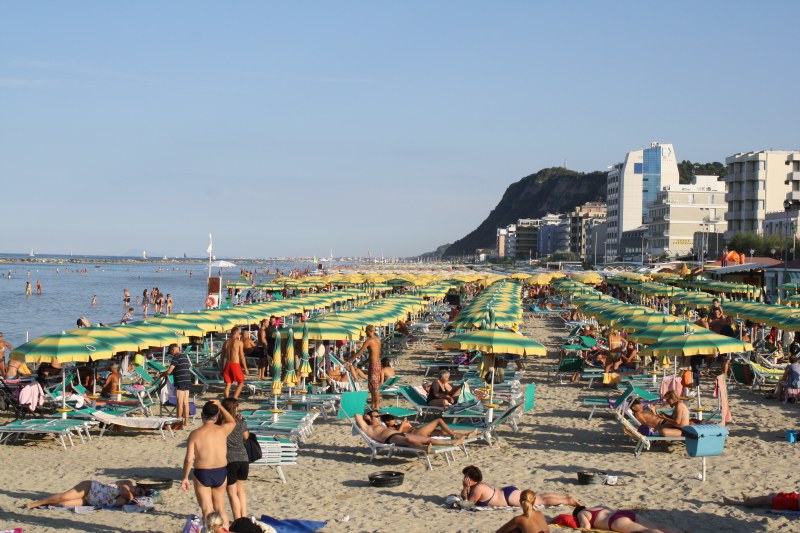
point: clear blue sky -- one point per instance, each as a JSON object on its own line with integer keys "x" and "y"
{"x": 291, "y": 128}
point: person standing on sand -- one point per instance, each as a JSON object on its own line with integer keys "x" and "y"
{"x": 373, "y": 344}
{"x": 233, "y": 363}
{"x": 207, "y": 449}
{"x": 180, "y": 368}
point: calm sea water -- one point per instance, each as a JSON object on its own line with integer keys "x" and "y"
{"x": 67, "y": 294}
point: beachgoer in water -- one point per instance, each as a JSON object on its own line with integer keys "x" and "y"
{"x": 373, "y": 344}
{"x": 94, "y": 300}
{"x": 27, "y": 288}
{"x": 233, "y": 363}
{"x": 95, "y": 493}
{"x": 145, "y": 303}
{"x": 238, "y": 463}
{"x": 530, "y": 521}
{"x": 169, "y": 304}
{"x": 180, "y": 368}
{"x": 623, "y": 521}
{"x": 127, "y": 317}
{"x": 83, "y": 323}
{"x": 38, "y": 287}
{"x": 207, "y": 449}
{"x": 777, "y": 501}
{"x": 475, "y": 490}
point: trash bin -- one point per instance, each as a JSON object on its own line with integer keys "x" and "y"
{"x": 705, "y": 440}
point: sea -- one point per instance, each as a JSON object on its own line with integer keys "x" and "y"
{"x": 70, "y": 282}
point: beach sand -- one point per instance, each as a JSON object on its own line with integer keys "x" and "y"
{"x": 330, "y": 480}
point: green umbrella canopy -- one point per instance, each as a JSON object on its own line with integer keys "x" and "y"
{"x": 697, "y": 344}
{"x": 62, "y": 348}
{"x": 495, "y": 341}
{"x": 661, "y": 332}
{"x": 175, "y": 324}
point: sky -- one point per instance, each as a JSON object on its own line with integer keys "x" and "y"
{"x": 294, "y": 128}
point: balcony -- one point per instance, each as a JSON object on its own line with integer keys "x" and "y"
{"x": 794, "y": 196}
{"x": 793, "y": 176}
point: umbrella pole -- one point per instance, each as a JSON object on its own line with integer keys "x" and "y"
{"x": 63, "y": 394}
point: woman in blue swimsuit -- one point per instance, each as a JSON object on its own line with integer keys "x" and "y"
{"x": 483, "y": 495}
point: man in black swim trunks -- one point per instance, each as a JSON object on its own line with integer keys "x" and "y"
{"x": 180, "y": 368}
{"x": 207, "y": 448}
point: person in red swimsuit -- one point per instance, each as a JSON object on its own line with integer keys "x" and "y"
{"x": 781, "y": 501}
{"x": 623, "y": 521}
{"x": 233, "y": 363}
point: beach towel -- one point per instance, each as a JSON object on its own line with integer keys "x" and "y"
{"x": 721, "y": 393}
{"x": 465, "y": 395}
{"x": 16, "y": 530}
{"x": 292, "y": 525}
{"x": 673, "y": 383}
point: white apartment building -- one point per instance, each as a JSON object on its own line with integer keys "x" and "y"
{"x": 758, "y": 183}
{"x": 634, "y": 185}
{"x": 680, "y": 211}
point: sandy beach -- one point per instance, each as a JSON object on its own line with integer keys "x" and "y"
{"x": 555, "y": 441}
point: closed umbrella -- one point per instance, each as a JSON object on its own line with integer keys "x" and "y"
{"x": 276, "y": 365}
{"x": 305, "y": 366}
{"x": 290, "y": 378}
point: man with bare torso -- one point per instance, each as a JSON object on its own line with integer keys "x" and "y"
{"x": 207, "y": 449}
{"x": 371, "y": 425}
{"x": 262, "y": 350}
{"x": 373, "y": 344}
{"x": 233, "y": 363}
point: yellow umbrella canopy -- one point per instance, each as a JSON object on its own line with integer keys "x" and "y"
{"x": 495, "y": 341}
{"x": 62, "y": 348}
{"x": 539, "y": 279}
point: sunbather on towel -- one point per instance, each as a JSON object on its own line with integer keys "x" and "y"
{"x": 475, "y": 490}
{"x": 780, "y": 501}
{"x": 530, "y": 521}
{"x": 609, "y": 519}
{"x": 97, "y": 493}
{"x": 371, "y": 424}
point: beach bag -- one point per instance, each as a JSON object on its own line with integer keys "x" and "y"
{"x": 194, "y": 524}
{"x": 253, "y": 448}
{"x": 687, "y": 379}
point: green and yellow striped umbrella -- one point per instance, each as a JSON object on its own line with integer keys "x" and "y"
{"x": 290, "y": 379}
{"x": 697, "y": 344}
{"x": 661, "y": 332}
{"x": 208, "y": 321}
{"x": 330, "y": 330}
{"x": 154, "y": 334}
{"x": 644, "y": 321}
{"x": 276, "y": 365}
{"x": 121, "y": 341}
{"x": 62, "y": 348}
{"x": 494, "y": 341}
{"x": 305, "y": 366}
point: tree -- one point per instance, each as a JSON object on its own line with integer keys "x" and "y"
{"x": 687, "y": 169}
{"x": 763, "y": 245}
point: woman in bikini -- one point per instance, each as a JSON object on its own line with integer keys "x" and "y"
{"x": 95, "y": 493}
{"x": 530, "y": 521}
{"x": 623, "y": 521}
{"x": 483, "y": 495}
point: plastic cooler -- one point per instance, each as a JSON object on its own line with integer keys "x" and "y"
{"x": 705, "y": 440}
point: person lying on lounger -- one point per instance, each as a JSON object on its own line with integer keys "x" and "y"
{"x": 475, "y": 490}
{"x": 96, "y": 493}
{"x": 530, "y": 521}
{"x": 371, "y": 424}
{"x": 780, "y": 501}
{"x": 604, "y": 518}
{"x": 435, "y": 428}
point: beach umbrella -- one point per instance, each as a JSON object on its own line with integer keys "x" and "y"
{"x": 693, "y": 344}
{"x": 538, "y": 279}
{"x": 121, "y": 341}
{"x": 62, "y": 348}
{"x": 305, "y": 367}
{"x": 276, "y": 365}
{"x": 331, "y": 329}
{"x": 643, "y": 321}
{"x": 660, "y": 332}
{"x": 175, "y": 324}
{"x": 520, "y": 275}
{"x": 290, "y": 378}
{"x": 154, "y": 334}
{"x": 494, "y": 341}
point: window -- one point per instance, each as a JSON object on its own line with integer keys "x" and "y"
{"x": 637, "y": 168}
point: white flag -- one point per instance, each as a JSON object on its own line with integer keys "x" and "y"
{"x": 210, "y": 247}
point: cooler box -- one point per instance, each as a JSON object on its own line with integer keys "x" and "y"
{"x": 705, "y": 440}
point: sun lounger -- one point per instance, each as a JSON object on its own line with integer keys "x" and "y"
{"x": 642, "y": 442}
{"x": 390, "y": 449}
{"x": 418, "y": 401}
{"x": 57, "y": 427}
{"x": 277, "y": 452}
{"x": 539, "y": 312}
{"x": 566, "y": 366}
{"x": 486, "y": 430}
{"x": 620, "y": 403}
{"x": 159, "y": 424}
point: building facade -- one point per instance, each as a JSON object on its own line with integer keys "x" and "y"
{"x": 680, "y": 211}
{"x": 596, "y": 240}
{"x": 581, "y": 220}
{"x": 633, "y": 186}
{"x": 758, "y": 183}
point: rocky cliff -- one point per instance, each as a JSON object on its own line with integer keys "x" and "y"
{"x": 551, "y": 190}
